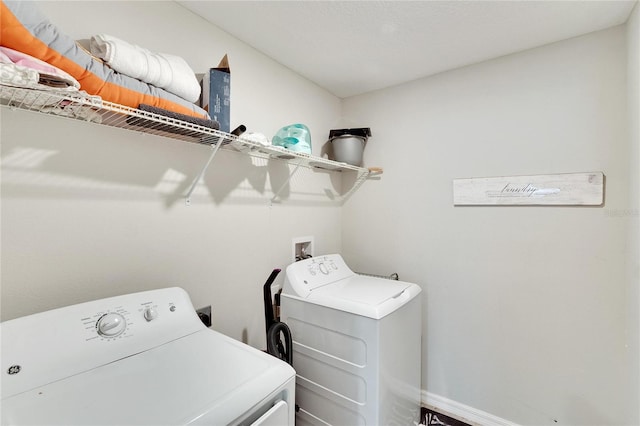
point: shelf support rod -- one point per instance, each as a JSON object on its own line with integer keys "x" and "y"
{"x": 214, "y": 151}
{"x": 371, "y": 172}
{"x": 362, "y": 176}
{"x": 277, "y": 193}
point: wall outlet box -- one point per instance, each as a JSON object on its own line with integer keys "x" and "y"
{"x": 205, "y": 315}
{"x": 302, "y": 248}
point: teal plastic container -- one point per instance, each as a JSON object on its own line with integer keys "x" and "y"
{"x": 294, "y": 137}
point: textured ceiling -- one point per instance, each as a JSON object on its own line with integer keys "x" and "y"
{"x": 353, "y": 47}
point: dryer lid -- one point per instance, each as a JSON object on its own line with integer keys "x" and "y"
{"x": 203, "y": 378}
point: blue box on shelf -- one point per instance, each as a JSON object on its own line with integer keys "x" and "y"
{"x": 216, "y": 94}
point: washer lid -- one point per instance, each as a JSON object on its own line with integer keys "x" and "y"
{"x": 364, "y": 295}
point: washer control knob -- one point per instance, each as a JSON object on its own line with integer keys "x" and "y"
{"x": 150, "y": 314}
{"x": 111, "y": 325}
{"x": 323, "y": 268}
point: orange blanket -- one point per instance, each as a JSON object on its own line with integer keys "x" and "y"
{"x": 24, "y": 28}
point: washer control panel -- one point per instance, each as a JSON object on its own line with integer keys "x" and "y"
{"x": 324, "y": 265}
{"x": 306, "y": 275}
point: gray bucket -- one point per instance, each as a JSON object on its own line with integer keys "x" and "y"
{"x": 348, "y": 149}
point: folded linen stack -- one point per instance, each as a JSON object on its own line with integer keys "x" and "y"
{"x": 169, "y": 72}
{"x": 22, "y": 70}
{"x": 17, "y": 69}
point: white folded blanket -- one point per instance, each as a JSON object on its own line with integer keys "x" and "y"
{"x": 168, "y": 72}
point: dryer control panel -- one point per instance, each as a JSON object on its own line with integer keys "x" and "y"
{"x": 307, "y": 275}
{"x": 45, "y": 347}
{"x": 119, "y": 318}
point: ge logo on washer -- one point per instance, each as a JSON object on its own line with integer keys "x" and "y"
{"x": 14, "y": 369}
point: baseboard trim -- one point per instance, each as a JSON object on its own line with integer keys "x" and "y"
{"x": 462, "y": 412}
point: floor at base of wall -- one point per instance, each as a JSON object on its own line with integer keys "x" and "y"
{"x": 432, "y": 418}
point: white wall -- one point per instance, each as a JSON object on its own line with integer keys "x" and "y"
{"x": 90, "y": 212}
{"x": 525, "y": 308}
{"x": 633, "y": 83}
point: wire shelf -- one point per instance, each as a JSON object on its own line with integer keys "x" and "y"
{"x": 84, "y": 107}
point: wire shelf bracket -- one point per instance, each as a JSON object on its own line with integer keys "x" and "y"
{"x": 284, "y": 185}
{"x": 214, "y": 150}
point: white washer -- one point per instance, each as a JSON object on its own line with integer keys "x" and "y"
{"x": 138, "y": 359}
{"x": 356, "y": 344}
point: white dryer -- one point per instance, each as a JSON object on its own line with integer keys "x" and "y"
{"x": 356, "y": 345}
{"x": 138, "y": 359}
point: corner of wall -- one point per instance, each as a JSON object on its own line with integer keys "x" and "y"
{"x": 633, "y": 268}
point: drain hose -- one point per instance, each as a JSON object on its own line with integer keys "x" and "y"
{"x": 274, "y": 343}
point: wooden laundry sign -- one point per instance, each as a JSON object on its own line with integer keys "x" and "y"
{"x": 566, "y": 189}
